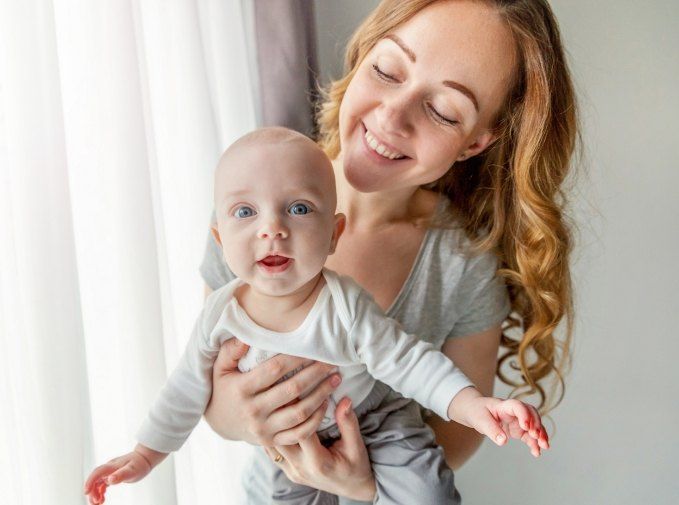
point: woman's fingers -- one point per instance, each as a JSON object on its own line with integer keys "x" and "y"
{"x": 300, "y": 384}
{"x": 317, "y": 454}
{"x": 351, "y": 442}
{"x": 303, "y": 430}
{"x": 290, "y": 453}
{"x": 230, "y": 352}
{"x": 264, "y": 376}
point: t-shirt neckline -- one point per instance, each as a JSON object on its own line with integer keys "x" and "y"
{"x": 308, "y": 320}
{"x": 414, "y": 269}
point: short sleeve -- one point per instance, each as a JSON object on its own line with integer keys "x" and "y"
{"x": 484, "y": 296}
{"x": 213, "y": 269}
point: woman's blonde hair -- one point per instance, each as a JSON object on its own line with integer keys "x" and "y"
{"x": 508, "y": 199}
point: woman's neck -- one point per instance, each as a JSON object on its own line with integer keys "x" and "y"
{"x": 372, "y": 211}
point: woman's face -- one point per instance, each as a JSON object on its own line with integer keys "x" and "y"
{"x": 424, "y": 96}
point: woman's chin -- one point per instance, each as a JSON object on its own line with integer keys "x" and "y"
{"x": 361, "y": 180}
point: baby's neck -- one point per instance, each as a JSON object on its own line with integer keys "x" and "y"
{"x": 280, "y": 313}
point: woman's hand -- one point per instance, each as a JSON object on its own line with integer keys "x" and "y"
{"x": 267, "y": 413}
{"x": 342, "y": 469}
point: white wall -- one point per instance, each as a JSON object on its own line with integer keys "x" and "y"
{"x": 616, "y": 439}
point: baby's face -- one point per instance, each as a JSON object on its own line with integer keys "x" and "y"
{"x": 276, "y": 217}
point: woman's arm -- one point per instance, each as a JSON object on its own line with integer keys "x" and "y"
{"x": 476, "y": 356}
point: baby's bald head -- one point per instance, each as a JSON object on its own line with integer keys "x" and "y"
{"x": 279, "y": 153}
{"x": 275, "y": 196}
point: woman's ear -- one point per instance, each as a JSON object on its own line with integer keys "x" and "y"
{"x": 340, "y": 223}
{"x": 215, "y": 234}
{"x": 484, "y": 139}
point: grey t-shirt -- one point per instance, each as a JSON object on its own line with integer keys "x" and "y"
{"x": 447, "y": 294}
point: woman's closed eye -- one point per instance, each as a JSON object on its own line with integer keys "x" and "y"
{"x": 382, "y": 75}
{"x": 440, "y": 118}
{"x": 436, "y": 115}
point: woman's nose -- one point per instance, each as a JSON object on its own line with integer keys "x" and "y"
{"x": 272, "y": 228}
{"x": 393, "y": 116}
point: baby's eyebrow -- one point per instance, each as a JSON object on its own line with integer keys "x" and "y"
{"x": 238, "y": 192}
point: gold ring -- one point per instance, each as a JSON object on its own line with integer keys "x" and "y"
{"x": 278, "y": 458}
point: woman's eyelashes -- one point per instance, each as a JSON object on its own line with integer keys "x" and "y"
{"x": 382, "y": 75}
{"x": 436, "y": 115}
{"x": 440, "y": 118}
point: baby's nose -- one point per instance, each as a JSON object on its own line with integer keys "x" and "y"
{"x": 273, "y": 229}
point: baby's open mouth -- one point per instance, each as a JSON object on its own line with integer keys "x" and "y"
{"x": 274, "y": 261}
{"x": 275, "y": 264}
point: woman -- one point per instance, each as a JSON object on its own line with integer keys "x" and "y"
{"x": 467, "y": 99}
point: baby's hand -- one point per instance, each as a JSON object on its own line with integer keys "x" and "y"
{"x": 499, "y": 419}
{"x": 128, "y": 468}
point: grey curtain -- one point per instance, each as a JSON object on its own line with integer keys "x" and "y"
{"x": 285, "y": 42}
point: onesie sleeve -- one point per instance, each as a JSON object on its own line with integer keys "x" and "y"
{"x": 213, "y": 269}
{"x": 483, "y": 296}
{"x": 184, "y": 397}
{"x": 411, "y": 366}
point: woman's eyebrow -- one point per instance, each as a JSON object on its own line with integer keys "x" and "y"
{"x": 409, "y": 52}
{"x": 451, "y": 84}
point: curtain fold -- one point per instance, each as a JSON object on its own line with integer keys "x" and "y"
{"x": 287, "y": 65}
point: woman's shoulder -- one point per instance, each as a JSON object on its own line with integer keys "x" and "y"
{"x": 452, "y": 265}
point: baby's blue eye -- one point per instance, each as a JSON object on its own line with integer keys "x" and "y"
{"x": 299, "y": 209}
{"x": 244, "y": 211}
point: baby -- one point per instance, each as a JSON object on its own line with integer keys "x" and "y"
{"x": 275, "y": 202}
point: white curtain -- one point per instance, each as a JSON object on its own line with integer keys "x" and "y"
{"x": 112, "y": 117}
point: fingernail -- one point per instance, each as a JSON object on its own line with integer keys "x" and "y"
{"x": 348, "y": 411}
{"x": 335, "y": 381}
{"x": 500, "y": 438}
{"x": 333, "y": 370}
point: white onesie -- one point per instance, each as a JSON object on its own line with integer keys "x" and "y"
{"x": 344, "y": 327}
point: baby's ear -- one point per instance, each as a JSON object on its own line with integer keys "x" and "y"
{"x": 215, "y": 234}
{"x": 340, "y": 223}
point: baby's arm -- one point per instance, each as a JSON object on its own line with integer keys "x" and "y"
{"x": 175, "y": 412}
{"x": 130, "y": 467}
{"x": 418, "y": 370}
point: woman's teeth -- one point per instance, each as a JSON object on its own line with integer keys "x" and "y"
{"x": 380, "y": 148}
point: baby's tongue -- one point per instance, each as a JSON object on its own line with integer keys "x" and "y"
{"x": 272, "y": 261}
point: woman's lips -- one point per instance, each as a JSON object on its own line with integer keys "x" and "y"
{"x": 377, "y": 158}
{"x": 275, "y": 264}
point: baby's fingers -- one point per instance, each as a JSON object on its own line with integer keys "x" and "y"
{"x": 543, "y": 438}
{"x": 531, "y": 443}
{"x": 535, "y": 428}
{"x": 98, "y": 474}
{"x": 131, "y": 472}
{"x": 491, "y": 427}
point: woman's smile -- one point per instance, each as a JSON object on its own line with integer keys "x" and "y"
{"x": 379, "y": 151}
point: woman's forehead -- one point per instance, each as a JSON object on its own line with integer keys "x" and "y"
{"x": 466, "y": 42}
